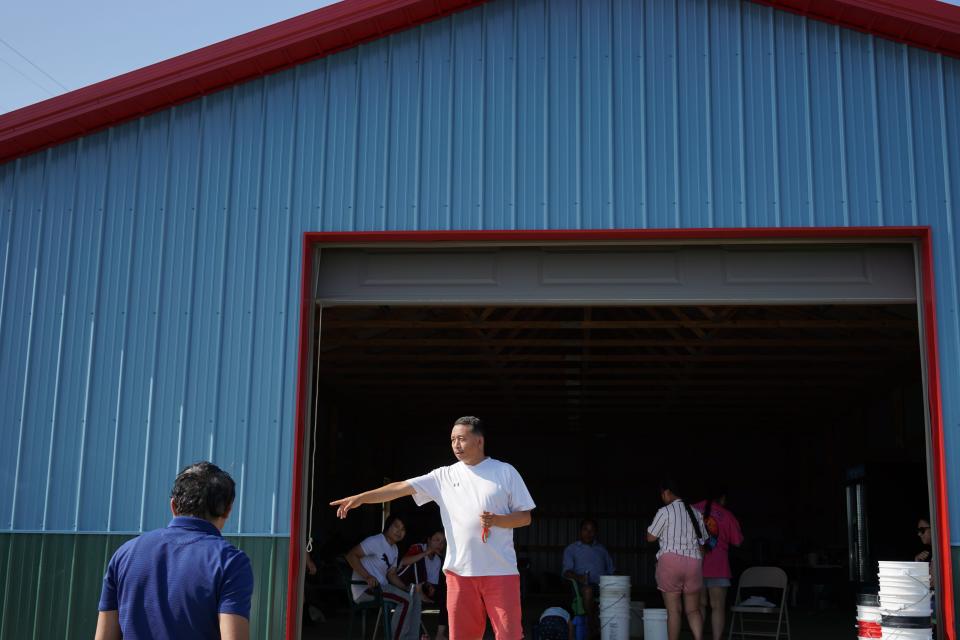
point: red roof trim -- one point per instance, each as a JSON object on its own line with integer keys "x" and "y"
{"x": 929, "y": 24}
{"x": 923, "y": 23}
{"x": 300, "y": 39}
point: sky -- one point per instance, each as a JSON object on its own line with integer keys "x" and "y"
{"x": 50, "y": 46}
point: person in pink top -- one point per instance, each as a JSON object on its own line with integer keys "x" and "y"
{"x": 723, "y": 526}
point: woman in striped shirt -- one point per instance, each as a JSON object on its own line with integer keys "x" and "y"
{"x": 679, "y": 529}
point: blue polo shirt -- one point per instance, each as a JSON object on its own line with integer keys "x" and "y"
{"x": 593, "y": 558}
{"x": 172, "y": 583}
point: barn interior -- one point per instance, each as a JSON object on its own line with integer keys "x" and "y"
{"x": 810, "y": 418}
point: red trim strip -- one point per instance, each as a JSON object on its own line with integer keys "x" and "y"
{"x": 314, "y": 239}
{"x": 923, "y": 23}
{"x": 293, "y": 568}
{"x": 273, "y": 48}
{"x": 936, "y": 436}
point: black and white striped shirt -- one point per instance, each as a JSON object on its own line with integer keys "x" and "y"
{"x": 674, "y": 530}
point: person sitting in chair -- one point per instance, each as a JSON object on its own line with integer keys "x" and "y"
{"x": 585, "y": 561}
{"x": 422, "y": 565}
{"x": 374, "y": 561}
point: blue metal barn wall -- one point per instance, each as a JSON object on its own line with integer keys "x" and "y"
{"x": 150, "y": 272}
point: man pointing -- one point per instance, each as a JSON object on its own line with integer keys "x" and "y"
{"x": 481, "y": 500}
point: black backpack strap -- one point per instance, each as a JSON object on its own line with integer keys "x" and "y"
{"x": 693, "y": 520}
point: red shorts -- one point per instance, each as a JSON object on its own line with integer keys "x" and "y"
{"x": 679, "y": 574}
{"x": 471, "y": 599}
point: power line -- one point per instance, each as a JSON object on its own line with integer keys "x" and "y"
{"x": 55, "y": 81}
{"x": 27, "y": 78}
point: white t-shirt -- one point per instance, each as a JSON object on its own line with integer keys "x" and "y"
{"x": 378, "y": 556}
{"x": 463, "y": 492}
{"x": 674, "y": 530}
{"x": 433, "y": 564}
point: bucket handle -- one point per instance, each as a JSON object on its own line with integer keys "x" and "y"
{"x": 614, "y": 603}
{"x": 907, "y": 606}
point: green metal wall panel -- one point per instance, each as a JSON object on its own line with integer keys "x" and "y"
{"x": 51, "y": 584}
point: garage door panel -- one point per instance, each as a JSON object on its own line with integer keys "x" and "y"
{"x": 768, "y": 274}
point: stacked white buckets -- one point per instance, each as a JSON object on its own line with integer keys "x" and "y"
{"x": 905, "y": 600}
{"x": 869, "y": 616}
{"x": 615, "y": 607}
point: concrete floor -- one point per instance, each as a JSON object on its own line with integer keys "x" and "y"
{"x": 804, "y": 624}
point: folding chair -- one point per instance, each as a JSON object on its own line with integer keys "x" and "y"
{"x": 767, "y": 579}
{"x": 423, "y": 612}
{"x": 383, "y": 607}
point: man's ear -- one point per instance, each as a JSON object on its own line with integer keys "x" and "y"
{"x": 173, "y": 509}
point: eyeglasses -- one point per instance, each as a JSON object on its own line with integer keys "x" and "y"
{"x": 920, "y": 530}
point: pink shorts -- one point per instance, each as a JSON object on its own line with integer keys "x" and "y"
{"x": 471, "y": 600}
{"x": 679, "y": 574}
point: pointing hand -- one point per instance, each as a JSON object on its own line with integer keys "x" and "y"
{"x": 344, "y": 505}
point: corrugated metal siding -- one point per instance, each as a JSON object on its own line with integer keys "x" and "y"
{"x": 52, "y": 583}
{"x": 150, "y": 272}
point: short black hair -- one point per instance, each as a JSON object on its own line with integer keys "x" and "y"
{"x": 475, "y": 424}
{"x": 670, "y": 484}
{"x": 393, "y": 517}
{"x": 203, "y": 490}
{"x": 584, "y": 522}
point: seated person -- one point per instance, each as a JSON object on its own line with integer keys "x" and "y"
{"x": 374, "y": 561}
{"x": 423, "y": 565}
{"x": 585, "y": 561}
{"x": 923, "y": 531}
{"x": 555, "y": 624}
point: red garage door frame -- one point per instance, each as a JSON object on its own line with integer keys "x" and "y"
{"x": 921, "y": 235}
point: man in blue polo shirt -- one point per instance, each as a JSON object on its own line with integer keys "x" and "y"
{"x": 585, "y": 561}
{"x": 184, "y": 581}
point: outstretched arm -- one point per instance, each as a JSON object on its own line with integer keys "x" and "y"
{"x": 386, "y": 493}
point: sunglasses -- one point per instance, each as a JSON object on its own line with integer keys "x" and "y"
{"x": 922, "y": 529}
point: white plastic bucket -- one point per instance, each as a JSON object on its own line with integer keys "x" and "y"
{"x": 906, "y": 634}
{"x": 905, "y": 605}
{"x": 615, "y": 607}
{"x": 886, "y": 567}
{"x": 906, "y": 578}
{"x": 904, "y": 628}
{"x": 869, "y": 614}
{"x": 868, "y": 621}
{"x": 906, "y": 591}
{"x": 655, "y": 624}
{"x": 914, "y": 582}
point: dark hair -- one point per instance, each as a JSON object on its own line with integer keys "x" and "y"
{"x": 475, "y": 424}
{"x": 591, "y": 521}
{"x": 393, "y": 517}
{"x": 671, "y": 485}
{"x": 203, "y": 490}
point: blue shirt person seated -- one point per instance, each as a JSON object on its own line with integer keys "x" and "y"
{"x": 585, "y": 561}
{"x": 184, "y": 581}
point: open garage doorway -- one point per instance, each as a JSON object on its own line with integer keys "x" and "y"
{"x": 795, "y": 383}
